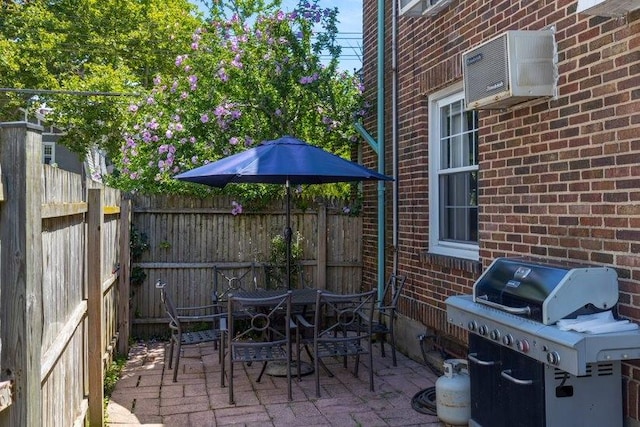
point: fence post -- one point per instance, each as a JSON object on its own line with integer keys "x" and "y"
{"x": 322, "y": 247}
{"x": 124, "y": 324}
{"x": 95, "y": 221}
{"x": 21, "y": 270}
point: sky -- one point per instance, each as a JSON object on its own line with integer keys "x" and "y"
{"x": 349, "y": 29}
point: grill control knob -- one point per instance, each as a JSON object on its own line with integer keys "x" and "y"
{"x": 507, "y": 340}
{"x": 482, "y": 330}
{"x": 523, "y": 345}
{"x": 553, "y": 358}
{"x": 495, "y": 335}
{"x": 472, "y": 325}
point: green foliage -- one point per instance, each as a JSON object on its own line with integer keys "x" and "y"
{"x": 112, "y": 375}
{"x": 139, "y": 244}
{"x": 106, "y": 46}
{"x": 253, "y": 73}
{"x": 137, "y": 277}
{"x": 278, "y": 258}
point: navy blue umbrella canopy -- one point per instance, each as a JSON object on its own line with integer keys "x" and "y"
{"x": 282, "y": 160}
{"x": 286, "y": 160}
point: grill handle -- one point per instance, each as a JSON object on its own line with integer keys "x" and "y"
{"x": 507, "y": 374}
{"x": 474, "y": 358}
{"x": 483, "y": 299}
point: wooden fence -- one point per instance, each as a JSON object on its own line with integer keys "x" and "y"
{"x": 187, "y": 237}
{"x": 64, "y": 269}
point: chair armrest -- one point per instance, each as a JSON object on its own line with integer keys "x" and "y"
{"x": 302, "y": 321}
{"x": 203, "y": 317}
{"x": 198, "y": 307}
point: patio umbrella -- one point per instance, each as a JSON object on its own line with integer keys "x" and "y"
{"x": 286, "y": 160}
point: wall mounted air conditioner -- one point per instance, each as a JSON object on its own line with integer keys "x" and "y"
{"x": 607, "y": 7}
{"x": 417, "y": 8}
{"x": 510, "y": 69}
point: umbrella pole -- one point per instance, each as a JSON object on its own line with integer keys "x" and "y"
{"x": 287, "y": 234}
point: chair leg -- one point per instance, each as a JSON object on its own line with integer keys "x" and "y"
{"x": 357, "y": 363}
{"x": 392, "y": 343}
{"x": 316, "y": 365}
{"x": 175, "y": 369}
{"x": 370, "y": 368}
{"x": 231, "y": 401}
{"x": 264, "y": 366}
{"x": 381, "y": 337}
{"x": 171, "y": 351}
{"x": 222, "y": 362}
{"x": 298, "y": 351}
{"x": 289, "y": 363}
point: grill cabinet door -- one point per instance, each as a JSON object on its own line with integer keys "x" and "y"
{"x": 484, "y": 375}
{"x": 497, "y": 401}
{"x": 522, "y": 390}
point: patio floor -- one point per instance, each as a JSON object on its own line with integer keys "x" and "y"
{"x": 147, "y": 396}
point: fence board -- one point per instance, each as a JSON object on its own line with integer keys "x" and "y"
{"x": 21, "y": 269}
{"x": 54, "y": 382}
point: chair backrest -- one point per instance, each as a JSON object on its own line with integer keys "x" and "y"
{"x": 340, "y": 313}
{"x": 224, "y": 283}
{"x": 169, "y": 306}
{"x": 393, "y": 289}
{"x": 259, "y": 319}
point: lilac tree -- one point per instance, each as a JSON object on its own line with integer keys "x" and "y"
{"x": 253, "y": 73}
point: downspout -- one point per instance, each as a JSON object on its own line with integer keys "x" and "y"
{"x": 394, "y": 129}
{"x": 381, "y": 153}
{"x": 378, "y": 146}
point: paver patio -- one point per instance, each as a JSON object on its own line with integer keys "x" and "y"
{"x": 147, "y": 396}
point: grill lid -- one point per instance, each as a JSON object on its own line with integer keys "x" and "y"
{"x": 545, "y": 292}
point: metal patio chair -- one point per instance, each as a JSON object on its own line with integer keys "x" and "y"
{"x": 385, "y": 314}
{"x": 343, "y": 328}
{"x": 259, "y": 331}
{"x": 225, "y": 283}
{"x": 179, "y": 317}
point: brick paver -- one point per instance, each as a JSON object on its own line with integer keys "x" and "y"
{"x": 147, "y": 396}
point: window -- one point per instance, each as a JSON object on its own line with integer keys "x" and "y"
{"x": 48, "y": 153}
{"x": 453, "y": 176}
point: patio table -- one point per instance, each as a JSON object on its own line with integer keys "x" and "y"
{"x": 301, "y": 299}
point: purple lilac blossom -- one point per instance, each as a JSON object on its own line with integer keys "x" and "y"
{"x": 237, "y": 208}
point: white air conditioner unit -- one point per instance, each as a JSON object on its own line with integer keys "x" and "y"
{"x": 417, "y": 8}
{"x": 607, "y": 7}
{"x": 512, "y": 68}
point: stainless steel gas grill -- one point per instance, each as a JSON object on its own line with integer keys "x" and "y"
{"x": 527, "y": 371}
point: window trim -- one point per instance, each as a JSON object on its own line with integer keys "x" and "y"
{"x": 45, "y": 145}
{"x": 437, "y": 246}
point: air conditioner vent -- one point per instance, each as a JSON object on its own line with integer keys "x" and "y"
{"x": 512, "y": 68}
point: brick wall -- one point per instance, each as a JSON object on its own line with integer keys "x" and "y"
{"x": 559, "y": 180}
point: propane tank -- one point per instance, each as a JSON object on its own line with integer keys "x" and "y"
{"x": 453, "y": 395}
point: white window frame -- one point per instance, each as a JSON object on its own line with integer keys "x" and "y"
{"x": 437, "y": 246}
{"x": 51, "y": 145}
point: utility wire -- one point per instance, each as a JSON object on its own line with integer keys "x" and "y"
{"x": 66, "y": 92}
